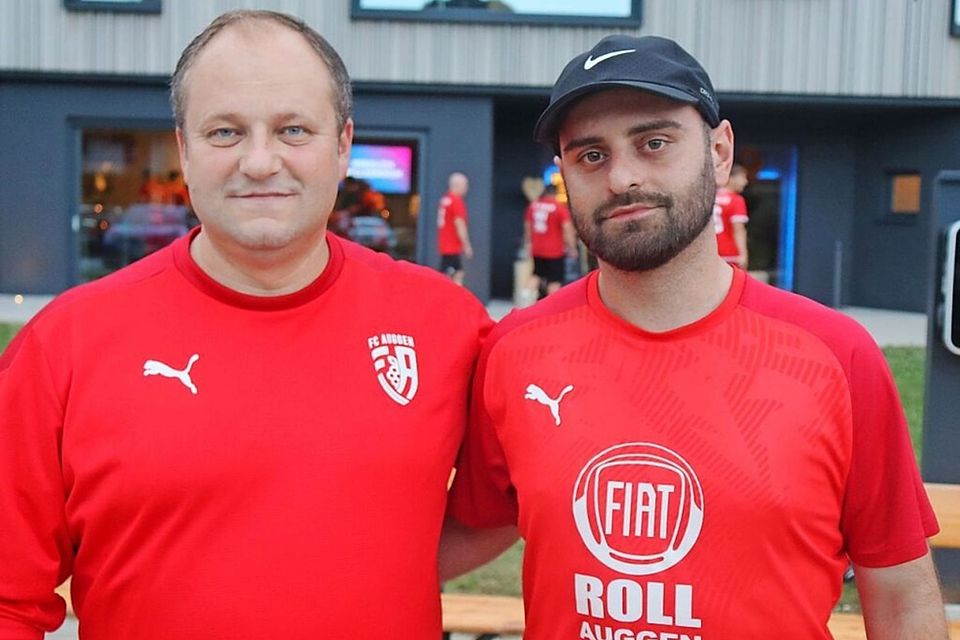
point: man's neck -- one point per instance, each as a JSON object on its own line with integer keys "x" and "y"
{"x": 684, "y": 290}
{"x": 261, "y": 272}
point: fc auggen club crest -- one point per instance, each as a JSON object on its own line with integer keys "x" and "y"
{"x": 395, "y": 362}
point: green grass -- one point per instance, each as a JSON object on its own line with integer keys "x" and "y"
{"x": 909, "y": 369}
{"x": 7, "y": 331}
{"x": 502, "y": 576}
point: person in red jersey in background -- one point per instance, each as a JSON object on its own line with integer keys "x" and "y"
{"x": 247, "y": 434}
{"x": 548, "y": 237}
{"x": 453, "y": 235}
{"x": 688, "y": 453}
{"x": 730, "y": 218}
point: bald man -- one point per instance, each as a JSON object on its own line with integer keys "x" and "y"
{"x": 453, "y": 237}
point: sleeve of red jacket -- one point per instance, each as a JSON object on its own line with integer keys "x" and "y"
{"x": 36, "y": 552}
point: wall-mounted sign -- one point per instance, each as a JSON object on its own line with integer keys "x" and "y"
{"x": 137, "y": 6}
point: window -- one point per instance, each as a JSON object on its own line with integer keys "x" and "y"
{"x": 379, "y": 202}
{"x": 133, "y": 198}
{"x": 572, "y": 12}
{"x": 955, "y": 19}
{"x": 905, "y": 194}
{"x": 117, "y": 6}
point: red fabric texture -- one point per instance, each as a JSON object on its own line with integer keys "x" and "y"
{"x": 702, "y": 481}
{"x": 291, "y": 496}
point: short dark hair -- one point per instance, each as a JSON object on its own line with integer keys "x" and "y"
{"x": 343, "y": 98}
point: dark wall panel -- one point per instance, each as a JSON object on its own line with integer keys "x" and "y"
{"x": 825, "y": 200}
{"x": 38, "y": 126}
{"x": 458, "y": 136}
{"x": 891, "y": 256}
{"x": 825, "y": 186}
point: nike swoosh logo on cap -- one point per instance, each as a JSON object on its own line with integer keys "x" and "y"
{"x": 591, "y": 62}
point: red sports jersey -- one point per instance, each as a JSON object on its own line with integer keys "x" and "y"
{"x": 451, "y": 207}
{"x": 546, "y": 218}
{"x": 697, "y": 483}
{"x": 208, "y": 464}
{"x": 728, "y": 208}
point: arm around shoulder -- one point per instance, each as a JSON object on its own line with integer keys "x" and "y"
{"x": 464, "y": 548}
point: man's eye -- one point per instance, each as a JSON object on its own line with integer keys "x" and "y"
{"x": 223, "y": 137}
{"x": 294, "y": 130}
{"x": 656, "y": 144}
{"x": 592, "y": 156}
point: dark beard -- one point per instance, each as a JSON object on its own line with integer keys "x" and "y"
{"x": 641, "y": 245}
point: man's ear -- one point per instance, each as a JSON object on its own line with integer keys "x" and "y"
{"x": 182, "y": 152}
{"x": 344, "y": 143}
{"x": 721, "y": 148}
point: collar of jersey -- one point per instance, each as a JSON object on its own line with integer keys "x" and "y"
{"x": 210, "y": 287}
{"x": 714, "y": 318}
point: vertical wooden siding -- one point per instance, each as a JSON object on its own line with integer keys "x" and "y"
{"x": 896, "y": 48}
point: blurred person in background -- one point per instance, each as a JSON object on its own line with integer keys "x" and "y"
{"x": 453, "y": 235}
{"x": 549, "y": 238}
{"x": 730, "y": 218}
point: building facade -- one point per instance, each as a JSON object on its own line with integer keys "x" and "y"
{"x": 844, "y": 112}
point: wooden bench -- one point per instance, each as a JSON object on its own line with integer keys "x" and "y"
{"x": 946, "y": 502}
{"x": 484, "y": 617}
{"x": 488, "y": 617}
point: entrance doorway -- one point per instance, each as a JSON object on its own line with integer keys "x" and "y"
{"x": 772, "y": 206}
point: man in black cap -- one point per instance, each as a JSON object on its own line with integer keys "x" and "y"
{"x": 688, "y": 453}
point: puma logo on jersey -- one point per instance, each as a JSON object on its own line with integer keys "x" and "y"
{"x": 157, "y": 368}
{"x": 537, "y": 394}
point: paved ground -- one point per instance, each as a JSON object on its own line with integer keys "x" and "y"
{"x": 887, "y": 328}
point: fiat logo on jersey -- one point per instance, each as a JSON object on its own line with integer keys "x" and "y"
{"x": 638, "y": 507}
{"x": 395, "y": 363}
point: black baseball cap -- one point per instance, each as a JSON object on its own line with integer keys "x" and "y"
{"x": 648, "y": 63}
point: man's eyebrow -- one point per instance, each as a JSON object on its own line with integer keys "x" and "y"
{"x": 652, "y": 125}
{"x": 291, "y": 115}
{"x": 224, "y": 116}
{"x": 576, "y": 143}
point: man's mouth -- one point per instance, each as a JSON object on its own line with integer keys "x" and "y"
{"x": 254, "y": 195}
{"x": 632, "y": 212}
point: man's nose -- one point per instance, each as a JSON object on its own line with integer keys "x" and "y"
{"x": 626, "y": 173}
{"x": 261, "y": 158}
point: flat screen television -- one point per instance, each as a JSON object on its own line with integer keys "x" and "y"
{"x": 387, "y": 168}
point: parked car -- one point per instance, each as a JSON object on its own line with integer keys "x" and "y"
{"x": 373, "y": 232}
{"x": 143, "y": 228}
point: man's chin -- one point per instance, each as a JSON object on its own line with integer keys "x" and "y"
{"x": 633, "y": 264}
{"x": 269, "y": 235}
{"x": 636, "y": 259}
